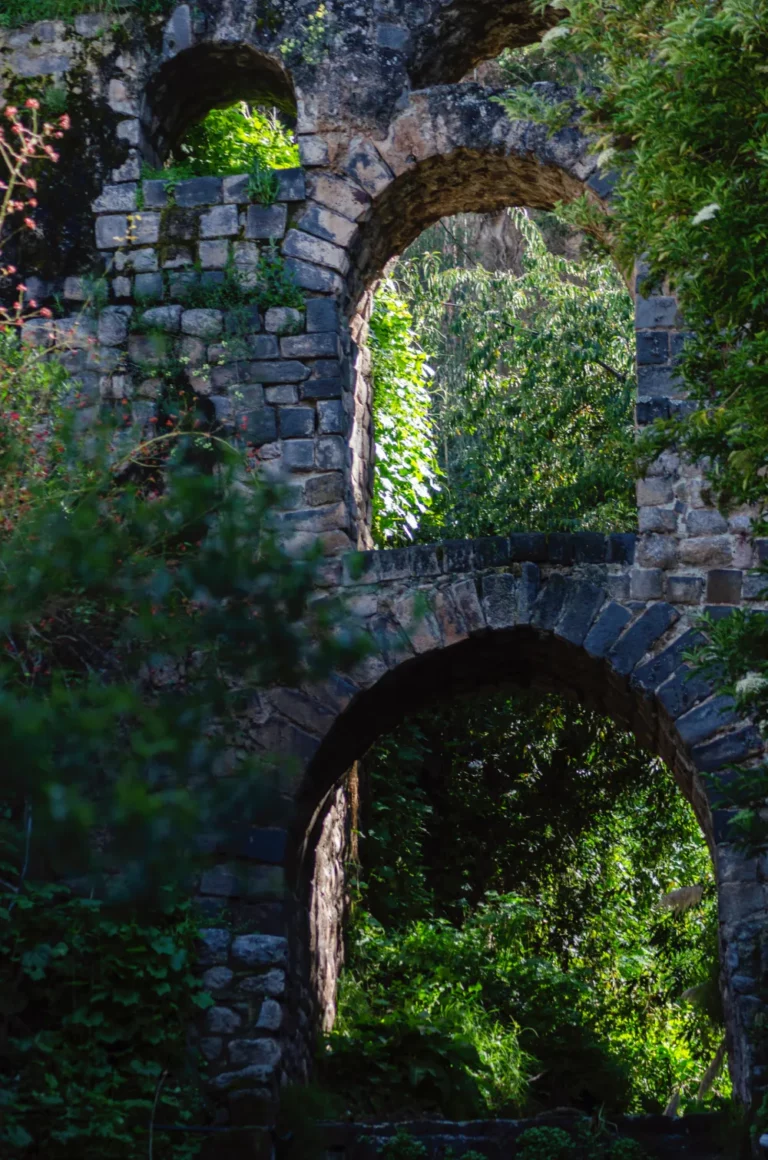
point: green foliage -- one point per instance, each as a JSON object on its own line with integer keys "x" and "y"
{"x": 144, "y": 600}
{"x": 270, "y": 283}
{"x": 735, "y": 657}
{"x": 548, "y": 1143}
{"x": 509, "y": 924}
{"x": 406, "y": 465}
{"x": 240, "y": 139}
{"x": 95, "y": 1008}
{"x": 403, "y": 1147}
{"x": 234, "y": 140}
{"x": 681, "y": 120}
{"x": 17, "y": 12}
{"x": 532, "y": 390}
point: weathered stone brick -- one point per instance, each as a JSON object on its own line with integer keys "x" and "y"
{"x": 235, "y": 189}
{"x": 324, "y": 489}
{"x": 283, "y": 320}
{"x": 658, "y": 310}
{"x": 549, "y": 602}
{"x": 299, "y": 454}
{"x": 685, "y": 589}
{"x": 465, "y": 595}
{"x": 330, "y": 418}
{"x": 219, "y": 222}
{"x": 700, "y": 723}
{"x": 116, "y": 198}
{"x": 166, "y": 318}
{"x": 202, "y": 323}
{"x": 683, "y": 689}
{"x": 491, "y": 552}
{"x": 326, "y": 224}
{"x": 706, "y": 551}
{"x": 215, "y": 942}
{"x": 198, "y": 191}
{"x": 603, "y": 634}
{"x": 149, "y": 286}
{"x": 259, "y": 950}
{"x": 320, "y": 345}
{"x": 291, "y": 185}
{"x": 265, "y": 222}
{"x": 155, "y": 194}
{"x": 705, "y": 522}
{"x": 724, "y": 586}
{"x": 263, "y": 346}
{"x": 640, "y": 636}
{"x": 583, "y": 601}
{"x": 217, "y": 978}
{"x": 296, "y": 422}
{"x": 500, "y": 600}
{"x": 113, "y": 325}
{"x": 657, "y": 519}
{"x": 260, "y": 1056}
{"x": 318, "y": 279}
{"x": 279, "y": 372}
{"x": 652, "y": 346}
{"x": 144, "y": 229}
{"x": 646, "y": 583}
{"x": 340, "y": 195}
{"x": 285, "y": 393}
{"x": 528, "y": 546}
{"x": 111, "y": 231}
{"x": 213, "y": 255}
{"x": 270, "y": 983}
{"x": 658, "y": 668}
{"x": 656, "y": 551}
{"x": 331, "y": 452}
{"x": 307, "y": 248}
{"x": 727, "y": 750}
{"x": 322, "y": 315}
{"x": 654, "y": 490}
{"x": 222, "y": 1020}
{"x": 270, "y": 1016}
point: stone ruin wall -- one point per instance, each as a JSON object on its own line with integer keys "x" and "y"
{"x": 389, "y": 143}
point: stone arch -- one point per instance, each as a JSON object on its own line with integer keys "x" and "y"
{"x": 207, "y": 76}
{"x": 452, "y": 149}
{"x": 459, "y": 618}
{"x": 462, "y": 34}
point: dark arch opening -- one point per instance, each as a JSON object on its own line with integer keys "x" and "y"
{"x": 521, "y": 658}
{"x": 206, "y": 77}
{"x": 505, "y": 659}
{"x": 466, "y": 33}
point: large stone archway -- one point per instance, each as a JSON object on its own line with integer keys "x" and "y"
{"x": 551, "y": 613}
{"x": 607, "y": 619}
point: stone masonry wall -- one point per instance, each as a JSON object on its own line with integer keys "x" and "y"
{"x": 389, "y": 143}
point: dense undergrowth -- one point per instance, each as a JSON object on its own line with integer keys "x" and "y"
{"x": 509, "y": 949}
{"x": 144, "y": 597}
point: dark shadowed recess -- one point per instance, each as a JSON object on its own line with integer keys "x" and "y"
{"x": 466, "y": 33}
{"x": 211, "y": 76}
{"x": 520, "y": 658}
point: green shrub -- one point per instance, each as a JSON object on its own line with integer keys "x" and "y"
{"x": 95, "y": 1010}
